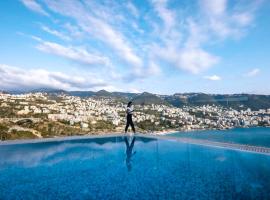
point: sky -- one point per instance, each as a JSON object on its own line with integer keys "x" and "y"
{"x": 158, "y": 46}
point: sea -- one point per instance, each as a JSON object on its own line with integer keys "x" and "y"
{"x": 257, "y": 136}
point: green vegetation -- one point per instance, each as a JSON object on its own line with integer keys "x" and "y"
{"x": 26, "y": 123}
{"x": 50, "y": 129}
{"x": 148, "y": 99}
{"x": 15, "y": 134}
{"x": 64, "y": 122}
{"x": 236, "y": 101}
{"x": 7, "y": 112}
{"x": 3, "y": 131}
{"x": 41, "y": 101}
{"x": 148, "y": 125}
{"x": 102, "y": 126}
{"x": 38, "y": 115}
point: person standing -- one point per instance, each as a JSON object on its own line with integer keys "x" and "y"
{"x": 129, "y": 112}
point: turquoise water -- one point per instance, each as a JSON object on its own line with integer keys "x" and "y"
{"x": 130, "y": 168}
{"x": 251, "y": 136}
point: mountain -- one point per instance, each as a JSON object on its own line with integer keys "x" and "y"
{"x": 103, "y": 93}
{"x": 3, "y": 92}
{"x": 146, "y": 98}
{"x": 236, "y": 101}
{"x": 43, "y": 90}
{"x": 49, "y": 91}
{"x": 125, "y": 95}
{"x": 82, "y": 94}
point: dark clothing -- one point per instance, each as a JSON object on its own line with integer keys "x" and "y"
{"x": 129, "y": 152}
{"x": 129, "y": 148}
{"x": 129, "y": 122}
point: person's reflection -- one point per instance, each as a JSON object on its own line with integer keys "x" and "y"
{"x": 129, "y": 151}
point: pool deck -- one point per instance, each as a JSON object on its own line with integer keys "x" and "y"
{"x": 232, "y": 146}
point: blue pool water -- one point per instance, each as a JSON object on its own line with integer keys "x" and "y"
{"x": 251, "y": 136}
{"x": 123, "y": 168}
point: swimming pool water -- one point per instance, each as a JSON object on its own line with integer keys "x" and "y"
{"x": 130, "y": 168}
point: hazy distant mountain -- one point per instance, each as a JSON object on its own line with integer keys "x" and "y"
{"x": 126, "y": 95}
{"x": 121, "y": 96}
{"x": 48, "y": 90}
{"x": 103, "y": 93}
{"x": 236, "y": 101}
{"x": 83, "y": 94}
{"x": 3, "y": 92}
{"x": 146, "y": 98}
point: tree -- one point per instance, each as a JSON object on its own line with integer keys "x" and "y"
{"x": 3, "y": 131}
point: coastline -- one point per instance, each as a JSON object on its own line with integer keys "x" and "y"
{"x": 170, "y": 131}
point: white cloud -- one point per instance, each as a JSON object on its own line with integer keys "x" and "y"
{"x": 98, "y": 28}
{"x": 34, "y": 6}
{"x": 17, "y": 78}
{"x": 73, "y": 30}
{"x": 253, "y": 72}
{"x": 73, "y": 53}
{"x": 213, "y": 78}
{"x": 184, "y": 48}
{"x": 115, "y": 39}
{"x": 186, "y": 54}
{"x": 168, "y": 35}
{"x": 133, "y": 9}
{"x": 165, "y": 14}
{"x": 196, "y": 60}
{"x": 242, "y": 19}
{"x": 216, "y": 7}
{"x": 134, "y": 90}
{"x": 153, "y": 69}
{"x": 221, "y": 22}
{"x": 55, "y": 33}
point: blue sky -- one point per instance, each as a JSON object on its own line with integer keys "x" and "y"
{"x": 159, "y": 46}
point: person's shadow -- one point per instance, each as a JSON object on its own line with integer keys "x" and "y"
{"x": 129, "y": 152}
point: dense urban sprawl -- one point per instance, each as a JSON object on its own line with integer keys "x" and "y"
{"x": 37, "y": 115}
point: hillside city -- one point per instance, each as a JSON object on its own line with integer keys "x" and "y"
{"x": 40, "y": 115}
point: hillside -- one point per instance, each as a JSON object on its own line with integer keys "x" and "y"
{"x": 146, "y": 98}
{"x": 236, "y": 101}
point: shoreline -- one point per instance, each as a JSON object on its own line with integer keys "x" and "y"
{"x": 170, "y": 131}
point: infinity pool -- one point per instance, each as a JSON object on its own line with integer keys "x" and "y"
{"x": 130, "y": 168}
